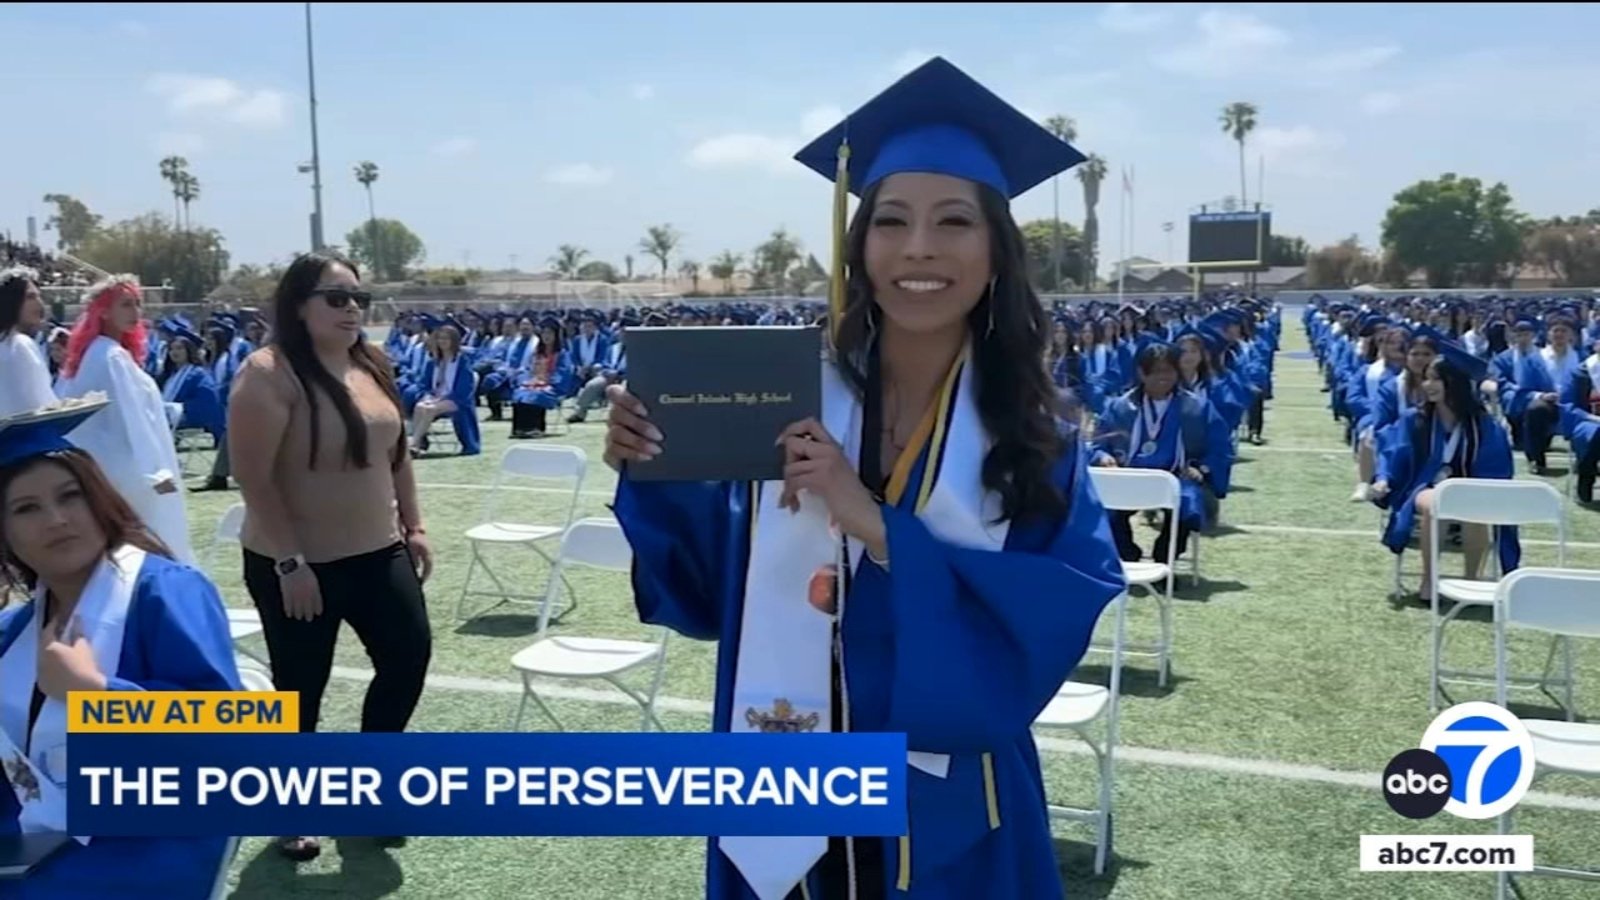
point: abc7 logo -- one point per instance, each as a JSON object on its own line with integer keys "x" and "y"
{"x": 1475, "y": 762}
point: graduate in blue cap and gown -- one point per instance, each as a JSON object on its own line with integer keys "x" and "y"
{"x": 544, "y": 380}
{"x": 976, "y": 554}
{"x": 1158, "y": 426}
{"x": 1452, "y": 435}
{"x": 186, "y": 382}
{"x": 448, "y": 386}
{"x": 497, "y": 386}
{"x": 1530, "y": 386}
{"x": 1580, "y": 422}
{"x": 1199, "y": 352}
{"x": 108, "y": 609}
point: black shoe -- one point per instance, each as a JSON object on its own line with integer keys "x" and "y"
{"x": 575, "y": 418}
{"x": 1586, "y": 486}
{"x": 212, "y": 484}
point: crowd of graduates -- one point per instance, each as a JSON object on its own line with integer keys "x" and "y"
{"x": 1430, "y": 389}
{"x": 1167, "y": 388}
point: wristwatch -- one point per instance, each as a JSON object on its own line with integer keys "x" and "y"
{"x": 289, "y": 566}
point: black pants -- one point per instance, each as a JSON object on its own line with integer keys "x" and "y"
{"x": 1539, "y": 423}
{"x": 1122, "y": 533}
{"x": 1258, "y": 409}
{"x": 379, "y": 595}
{"x": 527, "y": 418}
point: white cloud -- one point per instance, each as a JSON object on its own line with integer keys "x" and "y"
{"x": 1381, "y": 103}
{"x": 1130, "y": 18}
{"x": 1345, "y": 62}
{"x": 745, "y": 150}
{"x": 818, "y": 120}
{"x": 585, "y": 174}
{"x": 209, "y": 96}
{"x": 1296, "y": 150}
{"x": 643, "y": 92}
{"x": 1228, "y": 44}
{"x": 456, "y": 146}
{"x": 178, "y": 143}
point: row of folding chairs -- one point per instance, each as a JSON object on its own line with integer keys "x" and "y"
{"x": 1092, "y": 712}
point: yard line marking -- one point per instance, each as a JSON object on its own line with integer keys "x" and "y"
{"x": 527, "y": 489}
{"x": 1182, "y": 759}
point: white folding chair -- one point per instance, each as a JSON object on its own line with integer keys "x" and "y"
{"x": 524, "y": 461}
{"x": 601, "y": 544}
{"x": 442, "y": 431}
{"x": 1075, "y": 708}
{"x": 242, "y": 623}
{"x": 1563, "y": 603}
{"x": 1136, "y": 490}
{"x": 1495, "y": 502}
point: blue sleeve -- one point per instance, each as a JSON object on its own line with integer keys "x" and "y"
{"x": 179, "y": 621}
{"x": 1395, "y": 455}
{"x": 689, "y": 541}
{"x": 1387, "y": 409}
{"x": 461, "y": 390}
{"x": 1112, "y": 430}
{"x": 1218, "y": 456}
{"x": 1021, "y": 618}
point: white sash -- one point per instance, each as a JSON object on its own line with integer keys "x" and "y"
{"x": 1152, "y": 430}
{"x": 444, "y": 377}
{"x": 39, "y": 780}
{"x": 1593, "y": 365}
{"x": 1561, "y": 369}
{"x": 1402, "y": 396}
{"x": 783, "y": 676}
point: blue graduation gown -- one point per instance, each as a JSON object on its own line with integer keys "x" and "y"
{"x": 499, "y": 384}
{"x": 1226, "y": 396}
{"x": 1364, "y": 398}
{"x": 1206, "y": 441}
{"x": 465, "y": 419}
{"x": 203, "y": 407}
{"x": 558, "y": 380}
{"x": 1578, "y": 422}
{"x": 960, "y": 649}
{"x": 176, "y": 639}
{"x": 1410, "y": 469}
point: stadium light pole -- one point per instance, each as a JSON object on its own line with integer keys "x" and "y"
{"x": 316, "y": 158}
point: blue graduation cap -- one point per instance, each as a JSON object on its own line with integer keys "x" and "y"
{"x": 1461, "y": 358}
{"x": 179, "y": 332}
{"x": 938, "y": 120}
{"x": 42, "y": 431}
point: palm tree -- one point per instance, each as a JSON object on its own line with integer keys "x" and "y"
{"x": 1091, "y": 173}
{"x": 367, "y": 173}
{"x": 172, "y": 168}
{"x": 659, "y": 241}
{"x": 627, "y": 261}
{"x": 1238, "y": 120}
{"x": 568, "y": 260}
{"x": 1067, "y": 130}
{"x": 691, "y": 270}
{"x": 188, "y": 191}
{"x": 724, "y": 267}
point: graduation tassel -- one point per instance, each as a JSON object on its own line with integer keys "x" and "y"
{"x": 841, "y": 198}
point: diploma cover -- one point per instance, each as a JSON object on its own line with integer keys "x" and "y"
{"x": 721, "y": 396}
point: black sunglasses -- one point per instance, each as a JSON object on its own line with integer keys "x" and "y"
{"x": 339, "y": 298}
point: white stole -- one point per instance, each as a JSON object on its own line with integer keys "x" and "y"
{"x": 783, "y": 676}
{"x": 1562, "y": 368}
{"x": 39, "y": 778}
{"x": 1593, "y": 365}
{"x": 444, "y": 377}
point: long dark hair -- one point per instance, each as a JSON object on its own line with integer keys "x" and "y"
{"x": 1016, "y": 396}
{"x": 111, "y": 512}
{"x": 1203, "y": 372}
{"x": 293, "y": 340}
{"x": 1150, "y": 357}
{"x": 12, "y": 290}
{"x": 169, "y": 368}
{"x": 1461, "y": 396}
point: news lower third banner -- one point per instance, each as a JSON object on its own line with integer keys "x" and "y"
{"x": 217, "y": 769}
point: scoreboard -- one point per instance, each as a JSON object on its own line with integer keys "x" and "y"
{"x": 1231, "y": 237}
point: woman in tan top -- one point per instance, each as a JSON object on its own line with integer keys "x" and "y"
{"x": 332, "y": 531}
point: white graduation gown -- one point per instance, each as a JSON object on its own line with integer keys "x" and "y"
{"x": 24, "y": 375}
{"x": 132, "y": 440}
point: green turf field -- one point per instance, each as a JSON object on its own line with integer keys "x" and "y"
{"x": 1250, "y": 776}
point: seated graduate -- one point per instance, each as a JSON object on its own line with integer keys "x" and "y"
{"x": 1198, "y": 353}
{"x": 497, "y": 385}
{"x": 1156, "y": 426}
{"x": 1404, "y": 391}
{"x": 1452, "y": 435}
{"x": 1363, "y": 391}
{"x": 108, "y": 609}
{"x": 978, "y": 554}
{"x": 450, "y": 383}
{"x": 613, "y": 369}
{"x": 185, "y": 381}
{"x": 588, "y": 348}
{"x": 1530, "y": 393}
{"x": 541, "y": 384}
{"x": 1580, "y": 422}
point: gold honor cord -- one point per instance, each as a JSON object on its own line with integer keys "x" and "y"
{"x": 841, "y": 201}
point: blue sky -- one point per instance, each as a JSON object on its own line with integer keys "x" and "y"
{"x": 504, "y": 130}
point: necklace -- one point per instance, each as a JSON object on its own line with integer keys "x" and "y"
{"x": 890, "y": 429}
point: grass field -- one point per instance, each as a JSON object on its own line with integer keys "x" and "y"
{"x": 1250, "y": 776}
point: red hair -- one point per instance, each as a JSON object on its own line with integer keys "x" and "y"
{"x": 92, "y": 324}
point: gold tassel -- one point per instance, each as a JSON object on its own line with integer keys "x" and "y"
{"x": 841, "y": 199}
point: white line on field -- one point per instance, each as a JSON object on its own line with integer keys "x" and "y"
{"x": 522, "y": 488}
{"x": 1181, "y": 759}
